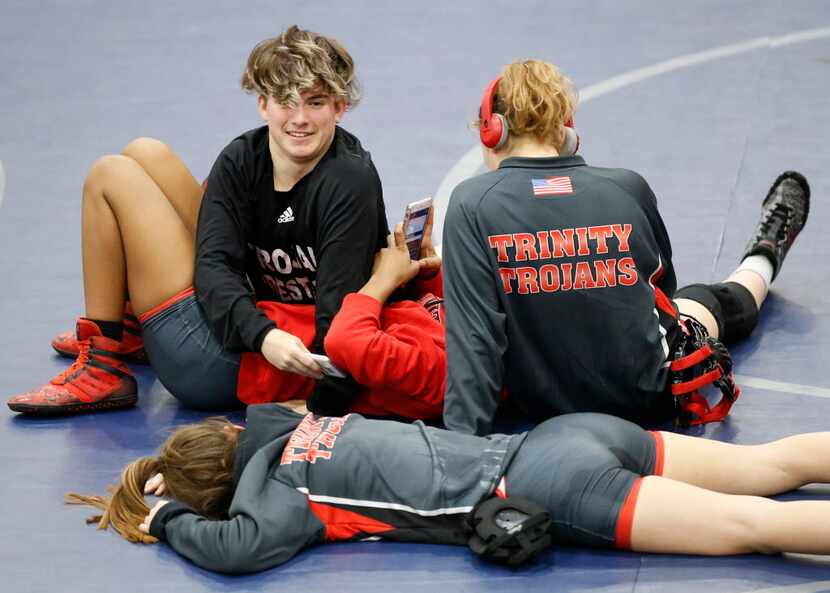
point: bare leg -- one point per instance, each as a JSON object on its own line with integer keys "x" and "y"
{"x": 673, "y": 517}
{"x": 132, "y": 236}
{"x": 172, "y": 177}
{"x": 783, "y": 215}
{"x": 690, "y": 308}
{"x": 765, "y": 469}
{"x": 753, "y": 282}
{"x": 750, "y": 280}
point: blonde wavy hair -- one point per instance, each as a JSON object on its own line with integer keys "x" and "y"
{"x": 536, "y": 99}
{"x": 298, "y": 60}
{"x": 197, "y": 463}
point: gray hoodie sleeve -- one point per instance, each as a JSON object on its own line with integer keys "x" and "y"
{"x": 475, "y": 323}
{"x": 267, "y": 527}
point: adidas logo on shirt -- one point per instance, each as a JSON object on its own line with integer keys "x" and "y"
{"x": 287, "y": 216}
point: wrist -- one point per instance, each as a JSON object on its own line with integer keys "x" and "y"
{"x": 267, "y": 337}
{"x": 378, "y": 289}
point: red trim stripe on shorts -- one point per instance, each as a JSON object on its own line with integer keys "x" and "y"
{"x": 625, "y": 521}
{"x": 144, "y": 317}
{"x": 660, "y": 452}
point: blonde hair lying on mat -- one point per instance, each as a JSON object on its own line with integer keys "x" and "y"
{"x": 298, "y": 60}
{"x": 197, "y": 464}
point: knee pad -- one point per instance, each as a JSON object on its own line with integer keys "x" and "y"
{"x": 731, "y": 304}
{"x": 703, "y": 294}
{"x": 740, "y": 312}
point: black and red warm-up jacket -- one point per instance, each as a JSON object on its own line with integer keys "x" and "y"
{"x": 558, "y": 280}
{"x": 302, "y": 481}
{"x": 396, "y": 352}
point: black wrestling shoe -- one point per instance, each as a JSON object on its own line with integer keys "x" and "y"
{"x": 783, "y": 215}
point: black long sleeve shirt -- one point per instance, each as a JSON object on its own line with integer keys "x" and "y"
{"x": 312, "y": 244}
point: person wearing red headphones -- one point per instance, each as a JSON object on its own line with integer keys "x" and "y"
{"x": 559, "y": 282}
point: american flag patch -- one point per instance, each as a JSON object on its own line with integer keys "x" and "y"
{"x": 552, "y": 186}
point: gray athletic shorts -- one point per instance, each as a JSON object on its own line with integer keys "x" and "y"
{"x": 189, "y": 361}
{"x": 585, "y": 469}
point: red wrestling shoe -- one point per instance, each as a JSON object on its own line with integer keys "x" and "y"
{"x": 97, "y": 380}
{"x": 132, "y": 344}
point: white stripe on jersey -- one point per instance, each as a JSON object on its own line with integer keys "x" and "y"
{"x": 384, "y": 505}
{"x": 663, "y": 341}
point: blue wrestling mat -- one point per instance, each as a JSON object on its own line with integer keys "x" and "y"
{"x": 708, "y": 100}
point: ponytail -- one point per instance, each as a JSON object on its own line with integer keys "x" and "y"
{"x": 125, "y": 509}
{"x": 197, "y": 462}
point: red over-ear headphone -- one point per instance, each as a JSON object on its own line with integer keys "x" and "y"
{"x": 493, "y": 129}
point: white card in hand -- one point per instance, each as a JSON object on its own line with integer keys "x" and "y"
{"x": 327, "y": 366}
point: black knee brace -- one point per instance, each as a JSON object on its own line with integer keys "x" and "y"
{"x": 730, "y": 303}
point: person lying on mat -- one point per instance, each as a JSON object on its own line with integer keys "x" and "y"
{"x": 248, "y": 499}
{"x": 293, "y": 209}
{"x": 559, "y": 282}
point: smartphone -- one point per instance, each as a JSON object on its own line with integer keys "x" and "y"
{"x": 414, "y": 221}
{"x": 327, "y": 366}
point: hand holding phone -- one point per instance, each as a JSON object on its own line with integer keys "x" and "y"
{"x": 414, "y": 221}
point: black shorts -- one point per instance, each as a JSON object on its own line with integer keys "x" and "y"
{"x": 585, "y": 469}
{"x": 188, "y": 359}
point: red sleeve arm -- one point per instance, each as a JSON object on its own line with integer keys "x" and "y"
{"x": 405, "y": 360}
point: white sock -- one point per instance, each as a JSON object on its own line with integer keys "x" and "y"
{"x": 760, "y": 265}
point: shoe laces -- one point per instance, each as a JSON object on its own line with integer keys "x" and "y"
{"x": 776, "y": 220}
{"x": 80, "y": 363}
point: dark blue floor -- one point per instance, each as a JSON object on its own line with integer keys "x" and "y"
{"x": 81, "y": 79}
